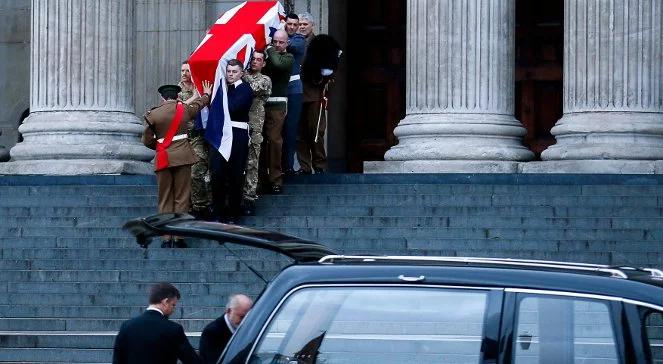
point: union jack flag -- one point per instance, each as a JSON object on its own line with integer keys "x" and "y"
{"x": 236, "y": 34}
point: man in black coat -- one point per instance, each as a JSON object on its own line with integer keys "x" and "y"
{"x": 151, "y": 337}
{"x": 217, "y": 333}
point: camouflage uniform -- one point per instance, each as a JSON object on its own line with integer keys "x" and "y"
{"x": 201, "y": 191}
{"x": 262, "y": 88}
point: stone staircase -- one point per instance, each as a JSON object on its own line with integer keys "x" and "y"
{"x": 69, "y": 275}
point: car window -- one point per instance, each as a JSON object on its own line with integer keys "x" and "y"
{"x": 654, "y": 325}
{"x": 563, "y": 330}
{"x": 375, "y": 325}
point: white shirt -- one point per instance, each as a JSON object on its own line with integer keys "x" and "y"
{"x": 230, "y": 326}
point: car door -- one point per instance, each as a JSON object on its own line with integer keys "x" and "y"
{"x": 566, "y": 327}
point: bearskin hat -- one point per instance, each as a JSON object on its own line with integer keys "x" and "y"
{"x": 323, "y": 52}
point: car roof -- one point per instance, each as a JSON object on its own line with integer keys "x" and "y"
{"x": 464, "y": 275}
{"x": 312, "y": 255}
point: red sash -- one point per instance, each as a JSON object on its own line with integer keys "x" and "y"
{"x": 162, "y": 156}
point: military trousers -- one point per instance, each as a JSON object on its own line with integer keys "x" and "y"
{"x": 272, "y": 147}
{"x": 252, "y": 161}
{"x": 174, "y": 189}
{"x": 201, "y": 190}
{"x": 312, "y": 154}
{"x": 228, "y": 176}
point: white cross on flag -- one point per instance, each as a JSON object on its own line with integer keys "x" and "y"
{"x": 236, "y": 34}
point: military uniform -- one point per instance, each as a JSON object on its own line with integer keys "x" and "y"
{"x": 174, "y": 181}
{"x": 201, "y": 190}
{"x": 262, "y": 89}
{"x": 278, "y": 68}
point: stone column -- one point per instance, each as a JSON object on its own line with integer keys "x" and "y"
{"x": 613, "y": 89}
{"x": 460, "y": 90}
{"x": 81, "y": 99}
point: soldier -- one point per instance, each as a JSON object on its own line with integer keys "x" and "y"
{"x": 297, "y": 47}
{"x": 262, "y": 89}
{"x": 201, "y": 191}
{"x": 278, "y": 68}
{"x": 165, "y": 132}
{"x": 228, "y": 175}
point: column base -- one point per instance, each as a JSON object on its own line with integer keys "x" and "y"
{"x": 68, "y": 167}
{"x": 593, "y": 167}
{"x": 459, "y": 137}
{"x": 444, "y": 166}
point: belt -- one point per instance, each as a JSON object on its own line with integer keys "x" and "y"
{"x": 176, "y": 137}
{"x": 240, "y": 124}
{"x": 278, "y": 99}
{"x": 294, "y": 78}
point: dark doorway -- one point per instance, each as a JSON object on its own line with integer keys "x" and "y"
{"x": 376, "y": 50}
{"x": 539, "y": 69}
{"x": 376, "y": 78}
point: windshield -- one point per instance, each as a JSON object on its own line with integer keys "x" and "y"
{"x": 375, "y": 325}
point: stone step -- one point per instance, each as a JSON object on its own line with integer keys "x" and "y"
{"x": 413, "y": 199}
{"x": 227, "y": 265}
{"x": 55, "y": 355}
{"x": 517, "y": 211}
{"x": 76, "y": 211}
{"x": 122, "y": 288}
{"x": 107, "y": 312}
{"x": 335, "y": 189}
{"x": 85, "y": 324}
{"x": 68, "y": 339}
{"x": 82, "y": 276}
{"x": 267, "y": 222}
{"x": 81, "y": 299}
{"x": 135, "y": 253}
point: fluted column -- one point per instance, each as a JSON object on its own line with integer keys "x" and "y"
{"x": 613, "y": 88}
{"x": 460, "y": 90}
{"x": 82, "y": 116}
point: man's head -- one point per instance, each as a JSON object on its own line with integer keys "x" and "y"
{"x": 257, "y": 60}
{"x": 234, "y": 71}
{"x": 169, "y": 92}
{"x": 164, "y": 296}
{"x": 280, "y": 41}
{"x": 306, "y": 24}
{"x": 237, "y": 307}
{"x": 291, "y": 23}
{"x": 185, "y": 72}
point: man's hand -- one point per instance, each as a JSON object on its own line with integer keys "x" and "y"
{"x": 207, "y": 87}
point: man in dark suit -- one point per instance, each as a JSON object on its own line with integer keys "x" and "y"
{"x": 216, "y": 334}
{"x": 151, "y": 337}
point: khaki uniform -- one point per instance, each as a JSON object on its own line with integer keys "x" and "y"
{"x": 262, "y": 89}
{"x": 278, "y": 68}
{"x": 201, "y": 190}
{"x": 174, "y": 182}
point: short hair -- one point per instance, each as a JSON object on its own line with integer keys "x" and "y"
{"x": 185, "y": 62}
{"x": 233, "y": 301}
{"x": 261, "y": 51}
{"x": 307, "y": 16}
{"x": 162, "y": 290}
{"x": 292, "y": 16}
{"x": 235, "y": 62}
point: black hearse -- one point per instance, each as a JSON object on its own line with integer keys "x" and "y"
{"x": 330, "y": 308}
